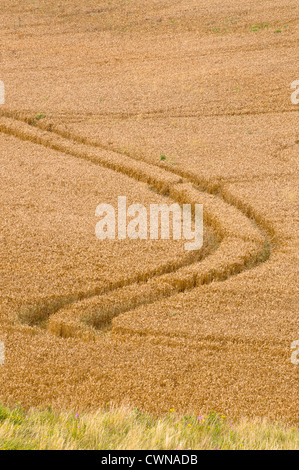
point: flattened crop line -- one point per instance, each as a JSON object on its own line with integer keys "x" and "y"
{"x": 204, "y": 341}
{"x": 243, "y": 245}
{"x": 39, "y": 313}
{"x": 233, "y": 256}
{"x": 215, "y": 187}
{"x": 162, "y": 179}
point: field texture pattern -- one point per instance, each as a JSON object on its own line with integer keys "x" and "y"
{"x": 161, "y": 102}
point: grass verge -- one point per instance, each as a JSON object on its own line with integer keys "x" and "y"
{"x": 124, "y": 428}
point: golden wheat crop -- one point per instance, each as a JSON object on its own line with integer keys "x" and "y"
{"x": 168, "y": 104}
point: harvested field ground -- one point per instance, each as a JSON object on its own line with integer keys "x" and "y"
{"x": 96, "y": 92}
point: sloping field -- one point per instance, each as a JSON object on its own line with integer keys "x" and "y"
{"x": 161, "y": 102}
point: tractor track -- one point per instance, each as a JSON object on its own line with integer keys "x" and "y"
{"x": 245, "y": 237}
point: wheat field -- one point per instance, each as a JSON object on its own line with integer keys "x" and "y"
{"x": 160, "y": 102}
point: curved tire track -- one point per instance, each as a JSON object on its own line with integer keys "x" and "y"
{"x": 244, "y": 241}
